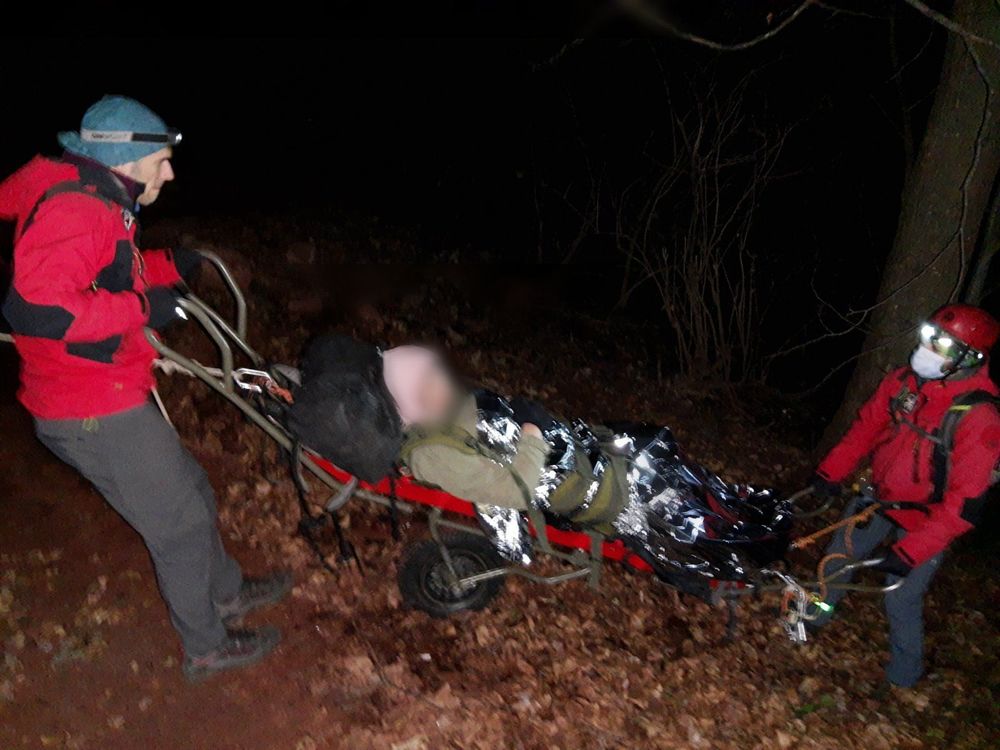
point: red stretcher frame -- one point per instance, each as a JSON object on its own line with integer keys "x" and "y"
{"x": 587, "y": 549}
{"x": 410, "y": 491}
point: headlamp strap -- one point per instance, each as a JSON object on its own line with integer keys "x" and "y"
{"x": 171, "y": 137}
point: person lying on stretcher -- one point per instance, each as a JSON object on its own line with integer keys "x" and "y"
{"x": 629, "y": 481}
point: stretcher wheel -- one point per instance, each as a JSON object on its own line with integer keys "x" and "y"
{"x": 423, "y": 574}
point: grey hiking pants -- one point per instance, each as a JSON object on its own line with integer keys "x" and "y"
{"x": 903, "y": 606}
{"x": 136, "y": 461}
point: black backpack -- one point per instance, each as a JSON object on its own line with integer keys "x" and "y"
{"x": 944, "y": 440}
{"x": 343, "y": 410}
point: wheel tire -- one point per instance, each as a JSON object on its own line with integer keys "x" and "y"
{"x": 422, "y": 574}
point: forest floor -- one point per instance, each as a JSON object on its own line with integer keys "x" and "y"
{"x": 90, "y": 660}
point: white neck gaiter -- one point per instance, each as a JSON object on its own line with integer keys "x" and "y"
{"x": 928, "y": 364}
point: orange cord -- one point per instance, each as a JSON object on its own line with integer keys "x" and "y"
{"x": 821, "y": 572}
{"x": 850, "y": 523}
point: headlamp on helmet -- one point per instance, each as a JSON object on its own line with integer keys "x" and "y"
{"x": 960, "y": 354}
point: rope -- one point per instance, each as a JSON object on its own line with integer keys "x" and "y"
{"x": 851, "y": 521}
{"x": 821, "y": 573}
{"x": 848, "y": 524}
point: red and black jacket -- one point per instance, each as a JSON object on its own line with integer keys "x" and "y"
{"x": 897, "y": 428}
{"x": 77, "y": 304}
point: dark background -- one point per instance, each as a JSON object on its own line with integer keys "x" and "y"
{"x": 450, "y": 137}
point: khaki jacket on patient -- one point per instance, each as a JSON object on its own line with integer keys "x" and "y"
{"x": 474, "y": 477}
{"x": 453, "y": 458}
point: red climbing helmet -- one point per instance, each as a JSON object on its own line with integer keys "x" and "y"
{"x": 971, "y": 325}
{"x": 963, "y": 333}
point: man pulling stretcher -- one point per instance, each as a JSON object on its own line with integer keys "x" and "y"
{"x": 932, "y": 433}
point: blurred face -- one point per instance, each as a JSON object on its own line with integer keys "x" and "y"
{"x": 437, "y": 395}
{"x": 153, "y": 171}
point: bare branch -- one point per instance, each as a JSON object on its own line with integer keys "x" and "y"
{"x": 684, "y": 228}
{"x": 837, "y": 10}
{"x": 641, "y": 9}
{"x": 955, "y": 28}
{"x": 555, "y": 58}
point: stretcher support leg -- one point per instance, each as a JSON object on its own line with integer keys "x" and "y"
{"x": 433, "y": 523}
{"x": 596, "y": 560}
{"x": 732, "y": 618}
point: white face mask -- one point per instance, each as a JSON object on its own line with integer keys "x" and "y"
{"x": 928, "y": 364}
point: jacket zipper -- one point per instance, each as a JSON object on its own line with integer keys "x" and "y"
{"x": 140, "y": 265}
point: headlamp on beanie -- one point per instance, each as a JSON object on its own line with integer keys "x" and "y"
{"x": 117, "y": 130}
{"x": 170, "y": 138}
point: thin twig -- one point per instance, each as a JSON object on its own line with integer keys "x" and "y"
{"x": 641, "y": 9}
{"x": 559, "y": 55}
{"x": 837, "y": 10}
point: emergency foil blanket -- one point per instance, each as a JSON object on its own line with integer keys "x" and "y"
{"x": 680, "y": 518}
{"x": 685, "y": 520}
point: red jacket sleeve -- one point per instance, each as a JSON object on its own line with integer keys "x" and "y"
{"x": 975, "y": 453}
{"x": 159, "y": 268}
{"x": 55, "y": 264}
{"x": 859, "y": 440}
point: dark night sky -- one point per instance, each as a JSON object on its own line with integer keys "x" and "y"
{"x": 447, "y": 134}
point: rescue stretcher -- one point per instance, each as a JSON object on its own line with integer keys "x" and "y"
{"x": 456, "y": 568}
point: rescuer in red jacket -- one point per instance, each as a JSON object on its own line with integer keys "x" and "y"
{"x": 81, "y": 295}
{"x": 932, "y": 433}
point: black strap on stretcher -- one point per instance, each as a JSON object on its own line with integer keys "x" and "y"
{"x": 310, "y": 524}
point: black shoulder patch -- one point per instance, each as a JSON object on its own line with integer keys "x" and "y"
{"x": 117, "y": 275}
{"x": 98, "y": 351}
{"x": 29, "y": 319}
{"x": 973, "y": 507}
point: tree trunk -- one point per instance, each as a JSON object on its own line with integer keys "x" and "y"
{"x": 936, "y": 236}
{"x": 989, "y": 245}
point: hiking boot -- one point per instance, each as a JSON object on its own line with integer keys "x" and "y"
{"x": 240, "y": 649}
{"x": 254, "y": 594}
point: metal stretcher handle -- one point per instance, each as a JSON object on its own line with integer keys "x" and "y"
{"x": 236, "y": 334}
{"x": 850, "y": 567}
{"x": 883, "y": 505}
{"x": 805, "y": 492}
{"x": 222, "y": 334}
{"x": 234, "y": 289}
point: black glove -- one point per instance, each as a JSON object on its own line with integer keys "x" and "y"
{"x": 823, "y": 487}
{"x": 893, "y": 564}
{"x": 163, "y": 306}
{"x": 187, "y": 262}
{"x": 528, "y": 411}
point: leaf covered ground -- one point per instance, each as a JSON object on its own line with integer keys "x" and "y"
{"x": 90, "y": 660}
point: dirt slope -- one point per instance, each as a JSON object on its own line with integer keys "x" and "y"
{"x": 90, "y": 660}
